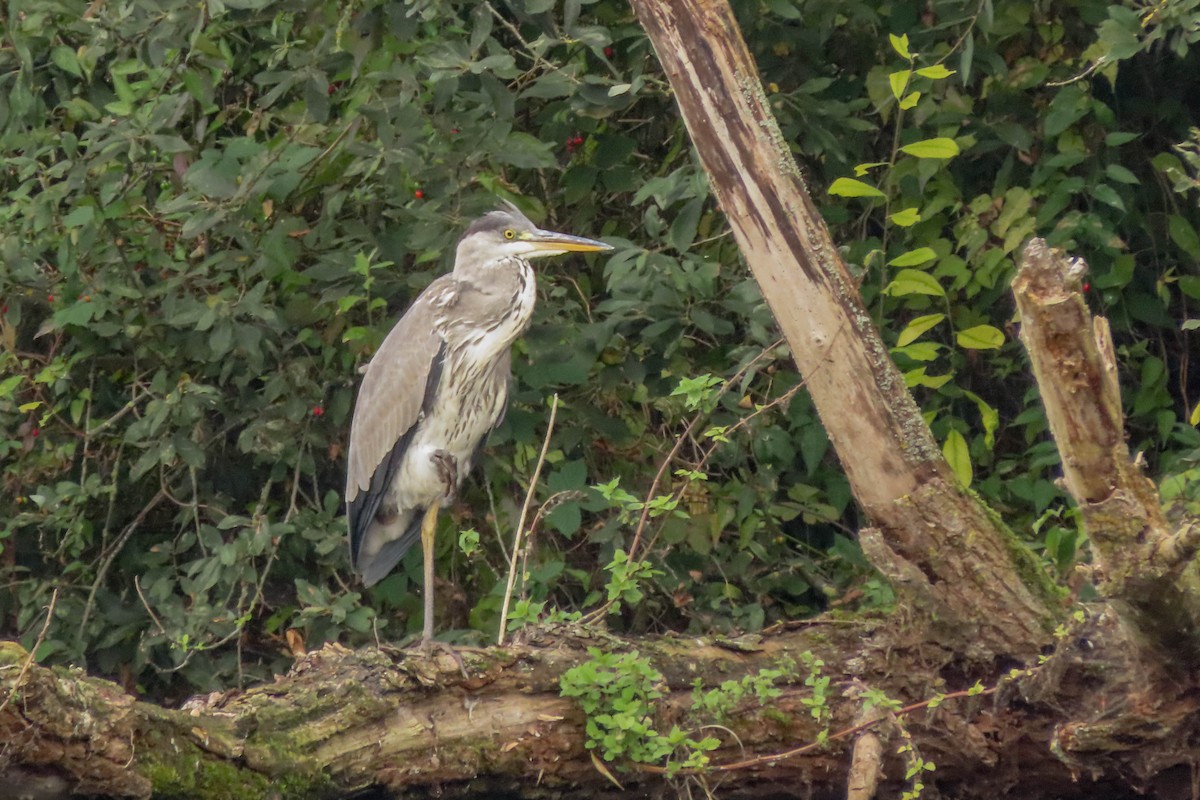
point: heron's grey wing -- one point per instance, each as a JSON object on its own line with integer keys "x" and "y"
{"x": 400, "y": 381}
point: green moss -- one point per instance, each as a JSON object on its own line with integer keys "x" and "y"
{"x": 776, "y": 715}
{"x": 12, "y": 654}
{"x": 192, "y": 774}
{"x": 1030, "y": 568}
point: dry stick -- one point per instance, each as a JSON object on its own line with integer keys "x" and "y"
{"x": 512, "y": 564}
{"x": 32, "y": 652}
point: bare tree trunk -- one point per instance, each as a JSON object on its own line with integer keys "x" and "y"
{"x": 1144, "y": 568}
{"x": 1139, "y": 561}
{"x": 945, "y": 553}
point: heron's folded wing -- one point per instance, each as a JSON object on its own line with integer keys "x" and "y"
{"x": 394, "y": 390}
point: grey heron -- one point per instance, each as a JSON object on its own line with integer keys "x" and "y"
{"x": 436, "y": 387}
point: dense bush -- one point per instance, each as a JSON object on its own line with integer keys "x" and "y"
{"x": 214, "y": 212}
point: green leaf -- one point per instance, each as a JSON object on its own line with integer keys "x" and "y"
{"x": 863, "y": 169}
{"x": 1108, "y": 195}
{"x": 900, "y": 45}
{"x": 683, "y": 229}
{"x": 1184, "y": 236}
{"x": 80, "y": 216}
{"x": 849, "y": 187}
{"x": 981, "y": 337}
{"x": 76, "y": 314}
{"x": 940, "y": 147}
{"x": 910, "y": 100}
{"x": 917, "y": 377}
{"x": 1120, "y": 36}
{"x": 906, "y": 218}
{"x": 968, "y": 58}
{"x": 911, "y": 281}
{"x": 936, "y": 72}
{"x": 65, "y": 59}
{"x": 1121, "y": 174}
{"x": 899, "y": 82}
{"x": 919, "y": 351}
{"x": 921, "y": 255}
{"x": 525, "y": 151}
{"x": 9, "y": 385}
{"x": 784, "y": 9}
{"x": 958, "y": 456}
{"x": 988, "y": 415}
{"x": 913, "y": 330}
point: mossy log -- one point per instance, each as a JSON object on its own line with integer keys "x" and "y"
{"x": 343, "y": 721}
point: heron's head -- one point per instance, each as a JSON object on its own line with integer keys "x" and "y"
{"x": 499, "y": 235}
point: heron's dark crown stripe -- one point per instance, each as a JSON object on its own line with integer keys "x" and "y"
{"x": 499, "y": 220}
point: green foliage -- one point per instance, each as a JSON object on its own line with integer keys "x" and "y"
{"x": 626, "y": 577}
{"x": 818, "y": 683}
{"x": 213, "y": 214}
{"x": 617, "y": 692}
{"x": 719, "y": 704}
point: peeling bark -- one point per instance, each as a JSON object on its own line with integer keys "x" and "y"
{"x": 1140, "y": 562}
{"x": 968, "y": 572}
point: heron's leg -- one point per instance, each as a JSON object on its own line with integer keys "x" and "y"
{"x": 428, "y": 532}
{"x": 447, "y": 469}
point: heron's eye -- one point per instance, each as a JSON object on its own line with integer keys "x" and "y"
{"x": 509, "y": 233}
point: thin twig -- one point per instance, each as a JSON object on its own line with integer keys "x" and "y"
{"x": 817, "y": 745}
{"x": 32, "y": 652}
{"x": 107, "y": 559}
{"x": 512, "y": 564}
{"x": 146, "y": 604}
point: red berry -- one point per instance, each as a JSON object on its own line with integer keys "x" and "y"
{"x": 608, "y": 52}
{"x": 454, "y": 130}
{"x": 50, "y": 298}
{"x": 318, "y": 411}
{"x": 1087, "y": 287}
{"x": 35, "y": 432}
{"x": 420, "y": 195}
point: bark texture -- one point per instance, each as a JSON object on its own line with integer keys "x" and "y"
{"x": 343, "y": 721}
{"x": 961, "y": 566}
{"x": 1145, "y": 569}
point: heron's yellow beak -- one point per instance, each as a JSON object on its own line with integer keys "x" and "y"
{"x": 562, "y": 242}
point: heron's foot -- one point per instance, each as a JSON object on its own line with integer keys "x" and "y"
{"x": 429, "y": 645}
{"x": 447, "y": 469}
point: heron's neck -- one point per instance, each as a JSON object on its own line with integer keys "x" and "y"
{"x": 505, "y": 313}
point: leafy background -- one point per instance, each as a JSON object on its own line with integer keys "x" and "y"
{"x": 215, "y": 211}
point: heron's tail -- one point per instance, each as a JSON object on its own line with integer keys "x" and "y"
{"x": 386, "y": 543}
